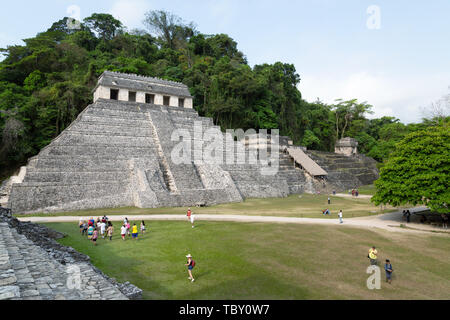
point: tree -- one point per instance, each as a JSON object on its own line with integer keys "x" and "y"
{"x": 169, "y": 27}
{"x": 347, "y": 114}
{"x": 418, "y": 171}
{"x": 104, "y": 24}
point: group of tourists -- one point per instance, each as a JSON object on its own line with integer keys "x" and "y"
{"x": 134, "y": 233}
{"x": 93, "y": 229}
{"x": 373, "y": 257}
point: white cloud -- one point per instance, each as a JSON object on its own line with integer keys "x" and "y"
{"x": 130, "y": 12}
{"x": 400, "y": 96}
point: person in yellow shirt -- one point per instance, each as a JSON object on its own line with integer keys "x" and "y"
{"x": 134, "y": 232}
{"x": 373, "y": 256}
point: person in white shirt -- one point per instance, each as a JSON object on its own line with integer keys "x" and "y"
{"x": 340, "y": 217}
{"x": 102, "y": 229}
{"x": 123, "y": 232}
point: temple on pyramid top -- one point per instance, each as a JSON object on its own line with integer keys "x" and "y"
{"x": 140, "y": 89}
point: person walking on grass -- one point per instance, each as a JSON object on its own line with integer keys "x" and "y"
{"x": 123, "y": 231}
{"x": 340, "y": 215}
{"x": 189, "y": 213}
{"x": 191, "y": 265}
{"x": 95, "y": 237}
{"x": 389, "y": 270}
{"x": 85, "y": 228}
{"x": 134, "y": 231}
{"x": 80, "y": 224}
{"x": 110, "y": 231}
{"x": 103, "y": 229}
{"x": 90, "y": 232}
{"x": 128, "y": 225}
{"x": 143, "y": 228}
{"x": 329, "y": 200}
{"x": 373, "y": 256}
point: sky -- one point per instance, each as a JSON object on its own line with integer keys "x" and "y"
{"x": 392, "y": 54}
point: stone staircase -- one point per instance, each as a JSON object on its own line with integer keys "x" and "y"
{"x": 28, "y": 272}
{"x": 346, "y": 172}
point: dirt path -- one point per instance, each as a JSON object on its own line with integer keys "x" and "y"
{"x": 389, "y": 221}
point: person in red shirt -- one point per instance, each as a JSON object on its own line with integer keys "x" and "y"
{"x": 189, "y": 213}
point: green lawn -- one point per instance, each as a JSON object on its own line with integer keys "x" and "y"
{"x": 368, "y": 190}
{"x": 303, "y": 206}
{"x": 263, "y": 261}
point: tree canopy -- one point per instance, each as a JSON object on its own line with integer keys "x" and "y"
{"x": 48, "y": 81}
{"x": 418, "y": 171}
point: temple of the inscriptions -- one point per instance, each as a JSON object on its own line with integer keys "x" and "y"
{"x": 138, "y": 144}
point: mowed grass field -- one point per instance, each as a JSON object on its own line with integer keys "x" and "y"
{"x": 265, "y": 261}
{"x": 300, "y": 206}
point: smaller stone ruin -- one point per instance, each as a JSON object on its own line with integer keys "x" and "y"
{"x": 347, "y": 147}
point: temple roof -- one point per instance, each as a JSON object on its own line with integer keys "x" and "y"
{"x": 142, "y": 83}
{"x": 347, "y": 142}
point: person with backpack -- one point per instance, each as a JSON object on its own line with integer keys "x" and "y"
{"x": 388, "y": 268}
{"x": 191, "y": 265}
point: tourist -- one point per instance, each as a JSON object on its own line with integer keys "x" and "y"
{"x": 103, "y": 229}
{"x": 80, "y": 224}
{"x": 125, "y": 221}
{"x": 110, "y": 230}
{"x": 356, "y": 193}
{"x": 95, "y": 237}
{"x": 334, "y": 192}
{"x": 105, "y": 219}
{"x": 135, "y": 231}
{"x": 189, "y": 213}
{"x": 85, "y": 228}
{"x": 143, "y": 227}
{"x": 444, "y": 221}
{"x": 373, "y": 255}
{"x": 408, "y": 216}
{"x": 123, "y": 231}
{"x": 128, "y": 228}
{"x": 329, "y": 200}
{"x": 190, "y": 264}
{"x": 341, "y": 221}
{"x": 389, "y": 270}
{"x": 91, "y": 222}
{"x": 90, "y": 232}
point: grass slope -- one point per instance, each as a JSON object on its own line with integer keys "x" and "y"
{"x": 262, "y": 261}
